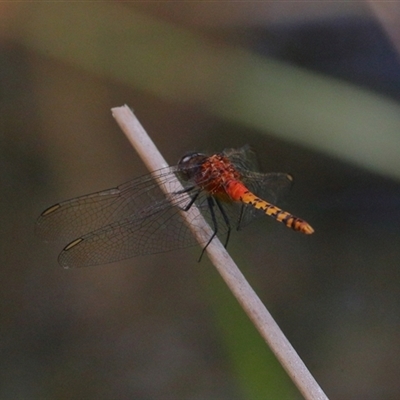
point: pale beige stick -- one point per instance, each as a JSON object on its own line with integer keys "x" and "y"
{"x": 231, "y": 274}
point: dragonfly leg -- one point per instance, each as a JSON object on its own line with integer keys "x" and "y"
{"x": 211, "y": 204}
{"x": 240, "y": 217}
{"x": 226, "y": 220}
{"x": 192, "y": 200}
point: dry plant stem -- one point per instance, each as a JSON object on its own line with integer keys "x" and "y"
{"x": 231, "y": 274}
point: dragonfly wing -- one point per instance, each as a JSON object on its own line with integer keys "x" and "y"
{"x": 162, "y": 231}
{"x": 158, "y": 229}
{"x": 268, "y": 186}
{"x": 244, "y": 158}
{"x": 76, "y": 217}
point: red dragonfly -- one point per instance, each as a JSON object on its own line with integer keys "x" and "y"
{"x": 137, "y": 218}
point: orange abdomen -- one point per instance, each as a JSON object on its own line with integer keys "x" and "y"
{"x": 238, "y": 192}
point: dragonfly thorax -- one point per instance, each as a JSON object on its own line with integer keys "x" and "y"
{"x": 209, "y": 173}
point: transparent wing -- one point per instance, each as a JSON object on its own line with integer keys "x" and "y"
{"x": 267, "y": 186}
{"x": 133, "y": 219}
{"x": 158, "y": 228}
{"x": 73, "y": 218}
{"x": 244, "y": 158}
{"x": 153, "y": 231}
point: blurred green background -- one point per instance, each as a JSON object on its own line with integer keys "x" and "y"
{"x": 314, "y": 87}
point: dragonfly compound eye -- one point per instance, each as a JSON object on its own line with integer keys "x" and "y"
{"x": 190, "y": 163}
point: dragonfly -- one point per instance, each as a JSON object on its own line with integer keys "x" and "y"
{"x": 138, "y": 218}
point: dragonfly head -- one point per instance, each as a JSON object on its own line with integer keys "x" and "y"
{"x": 189, "y": 165}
